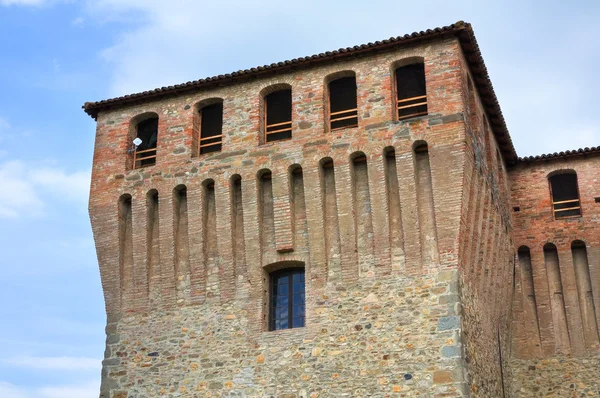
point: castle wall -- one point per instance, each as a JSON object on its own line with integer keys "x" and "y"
{"x": 185, "y": 276}
{"x": 485, "y": 254}
{"x": 557, "y": 300}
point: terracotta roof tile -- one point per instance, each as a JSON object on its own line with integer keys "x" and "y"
{"x": 561, "y": 155}
{"x": 460, "y": 29}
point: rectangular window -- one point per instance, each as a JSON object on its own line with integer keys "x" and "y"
{"x": 565, "y": 196}
{"x": 211, "y": 128}
{"x": 287, "y": 299}
{"x": 411, "y": 91}
{"x": 145, "y": 153}
{"x": 278, "y": 116}
{"x": 343, "y": 106}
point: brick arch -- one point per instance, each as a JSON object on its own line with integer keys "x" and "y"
{"x": 420, "y": 144}
{"x": 269, "y": 89}
{"x": 356, "y": 155}
{"x": 179, "y": 188}
{"x": 560, "y": 171}
{"x": 125, "y": 197}
{"x": 205, "y": 102}
{"x": 413, "y": 59}
{"x": 285, "y": 264}
{"x": 294, "y": 167}
{"x": 338, "y": 75}
{"x": 137, "y": 119}
{"x": 260, "y": 173}
{"x": 577, "y": 243}
{"x": 523, "y": 248}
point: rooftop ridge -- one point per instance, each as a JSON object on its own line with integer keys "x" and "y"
{"x": 560, "y": 155}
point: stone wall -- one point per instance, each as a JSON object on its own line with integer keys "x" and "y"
{"x": 372, "y": 338}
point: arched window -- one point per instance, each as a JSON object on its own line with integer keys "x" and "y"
{"x": 278, "y": 115}
{"x": 287, "y": 299}
{"x": 565, "y": 195}
{"x": 211, "y": 128}
{"x": 411, "y": 92}
{"x": 343, "y": 105}
{"x": 145, "y": 153}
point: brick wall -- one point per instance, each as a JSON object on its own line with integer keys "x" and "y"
{"x": 486, "y": 259}
{"x": 557, "y": 298}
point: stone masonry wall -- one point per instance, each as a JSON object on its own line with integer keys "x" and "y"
{"x": 555, "y": 326}
{"x": 185, "y": 247}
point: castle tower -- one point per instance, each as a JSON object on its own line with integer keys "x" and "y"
{"x": 336, "y": 225}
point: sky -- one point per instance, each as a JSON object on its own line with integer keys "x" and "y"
{"x": 542, "y": 57}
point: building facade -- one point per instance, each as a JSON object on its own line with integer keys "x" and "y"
{"x": 354, "y": 223}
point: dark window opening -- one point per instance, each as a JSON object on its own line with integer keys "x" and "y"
{"x": 517, "y": 209}
{"x": 287, "y": 299}
{"x": 597, "y": 200}
{"x": 343, "y": 105}
{"x": 211, "y": 128}
{"x": 145, "y": 153}
{"x": 565, "y": 196}
{"x": 411, "y": 91}
{"x": 278, "y": 116}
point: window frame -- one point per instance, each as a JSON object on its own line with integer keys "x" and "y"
{"x": 397, "y": 100}
{"x": 577, "y": 200}
{"x": 282, "y": 127}
{"x": 274, "y": 277}
{"x": 210, "y": 144}
{"x": 148, "y": 153}
{"x": 340, "y": 114}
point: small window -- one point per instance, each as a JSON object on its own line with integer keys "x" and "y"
{"x": 145, "y": 153}
{"x": 411, "y": 91}
{"x": 211, "y": 128}
{"x": 343, "y": 108}
{"x": 278, "y": 115}
{"x": 565, "y": 195}
{"x": 287, "y": 299}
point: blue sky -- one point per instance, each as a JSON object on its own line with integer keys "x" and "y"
{"x": 55, "y": 55}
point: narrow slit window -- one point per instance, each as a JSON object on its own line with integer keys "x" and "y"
{"x": 287, "y": 299}
{"x": 211, "y": 128}
{"x": 411, "y": 92}
{"x": 343, "y": 105}
{"x": 565, "y": 196}
{"x": 145, "y": 153}
{"x": 278, "y": 116}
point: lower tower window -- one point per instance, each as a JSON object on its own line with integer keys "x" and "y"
{"x": 287, "y": 299}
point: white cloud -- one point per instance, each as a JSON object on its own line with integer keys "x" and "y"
{"x": 84, "y": 390}
{"x": 23, "y": 2}
{"x": 25, "y": 188}
{"x": 11, "y": 391}
{"x": 78, "y": 21}
{"x": 55, "y": 363}
{"x": 72, "y": 186}
{"x": 18, "y": 195}
{"x": 4, "y": 125}
{"x": 89, "y": 389}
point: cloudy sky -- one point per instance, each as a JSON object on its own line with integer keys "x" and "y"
{"x": 55, "y": 55}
